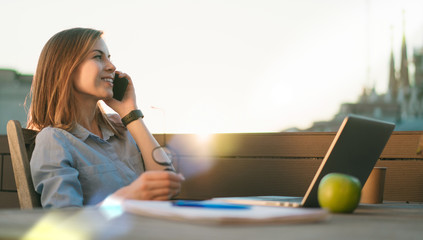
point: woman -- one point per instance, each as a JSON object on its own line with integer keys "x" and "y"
{"x": 82, "y": 155}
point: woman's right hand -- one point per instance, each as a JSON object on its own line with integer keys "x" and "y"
{"x": 152, "y": 185}
{"x": 128, "y": 103}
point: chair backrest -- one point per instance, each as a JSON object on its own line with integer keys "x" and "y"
{"x": 21, "y": 144}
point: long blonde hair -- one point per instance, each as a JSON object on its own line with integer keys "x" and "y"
{"x": 53, "y": 100}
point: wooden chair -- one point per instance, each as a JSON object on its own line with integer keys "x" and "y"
{"x": 21, "y": 144}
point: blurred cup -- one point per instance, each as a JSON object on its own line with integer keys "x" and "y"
{"x": 372, "y": 191}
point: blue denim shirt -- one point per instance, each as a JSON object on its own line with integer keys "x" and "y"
{"x": 76, "y": 168}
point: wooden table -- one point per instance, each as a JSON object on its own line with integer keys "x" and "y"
{"x": 391, "y": 220}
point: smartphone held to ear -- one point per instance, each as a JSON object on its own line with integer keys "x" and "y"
{"x": 119, "y": 87}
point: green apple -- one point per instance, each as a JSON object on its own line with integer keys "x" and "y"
{"x": 339, "y": 193}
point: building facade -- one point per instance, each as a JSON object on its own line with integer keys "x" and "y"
{"x": 14, "y": 89}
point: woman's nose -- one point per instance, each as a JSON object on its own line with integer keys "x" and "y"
{"x": 110, "y": 66}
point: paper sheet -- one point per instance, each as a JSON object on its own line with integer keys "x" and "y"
{"x": 254, "y": 214}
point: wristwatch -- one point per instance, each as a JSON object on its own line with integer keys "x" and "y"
{"x": 132, "y": 116}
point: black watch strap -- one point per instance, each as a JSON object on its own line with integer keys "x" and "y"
{"x": 132, "y": 116}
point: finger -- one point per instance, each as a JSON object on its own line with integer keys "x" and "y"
{"x": 121, "y": 74}
{"x": 161, "y": 175}
{"x": 118, "y": 73}
{"x": 160, "y": 194}
{"x": 151, "y": 185}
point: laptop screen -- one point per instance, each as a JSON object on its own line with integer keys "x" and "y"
{"x": 354, "y": 151}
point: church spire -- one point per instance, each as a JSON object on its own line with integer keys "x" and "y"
{"x": 393, "y": 82}
{"x": 404, "y": 78}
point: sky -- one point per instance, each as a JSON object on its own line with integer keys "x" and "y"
{"x": 211, "y": 66}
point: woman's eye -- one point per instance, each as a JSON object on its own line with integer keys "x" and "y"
{"x": 97, "y": 56}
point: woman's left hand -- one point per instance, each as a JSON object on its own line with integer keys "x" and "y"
{"x": 152, "y": 185}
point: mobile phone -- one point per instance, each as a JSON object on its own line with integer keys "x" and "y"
{"x": 119, "y": 87}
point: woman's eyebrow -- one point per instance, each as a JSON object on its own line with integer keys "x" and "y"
{"x": 101, "y": 52}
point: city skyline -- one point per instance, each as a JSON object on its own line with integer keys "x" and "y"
{"x": 232, "y": 66}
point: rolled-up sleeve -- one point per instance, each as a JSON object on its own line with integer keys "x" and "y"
{"x": 53, "y": 171}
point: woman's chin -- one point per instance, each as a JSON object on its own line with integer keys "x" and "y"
{"x": 107, "y": 98}
{"x": 109, "y": 95}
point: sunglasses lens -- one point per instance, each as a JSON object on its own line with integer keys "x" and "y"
{"x": 162, "y": 156}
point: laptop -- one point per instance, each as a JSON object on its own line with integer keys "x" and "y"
{"x": 354, "y": 150}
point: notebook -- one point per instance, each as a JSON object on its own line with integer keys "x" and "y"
{"x": 354, "y": 150}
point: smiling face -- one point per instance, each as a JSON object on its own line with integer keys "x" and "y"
{"x": 93, "y": 79}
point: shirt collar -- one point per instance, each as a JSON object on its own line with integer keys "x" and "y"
{"x": 82, "y": 133}
{"x": 107, "y": 133}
